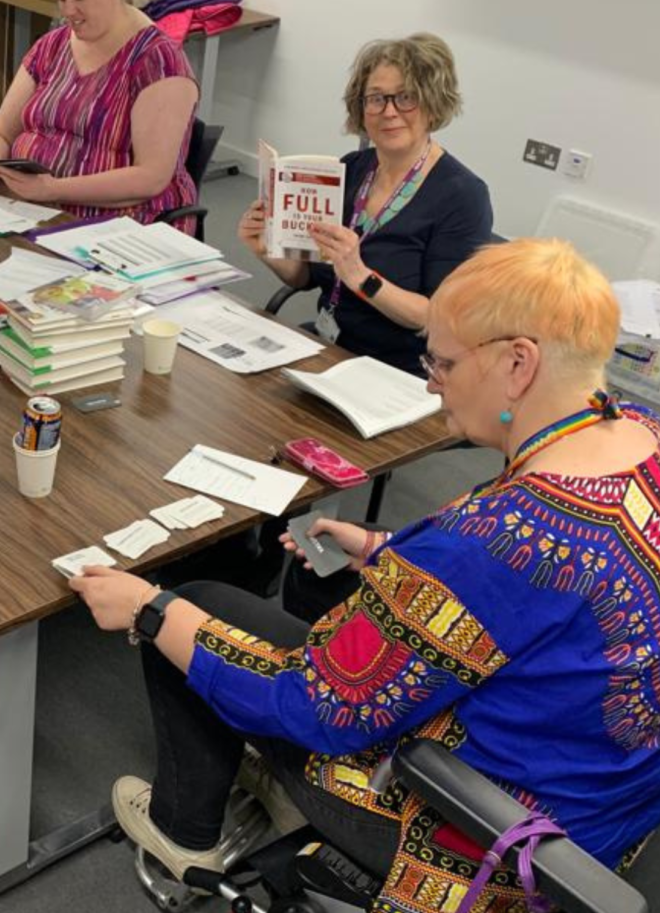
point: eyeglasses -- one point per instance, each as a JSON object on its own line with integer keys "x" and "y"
{"x": 378, "y": 101}
{"x": 438, "y": 368}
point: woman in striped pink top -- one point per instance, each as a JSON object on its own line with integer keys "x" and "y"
{"x": 106, "y": 102}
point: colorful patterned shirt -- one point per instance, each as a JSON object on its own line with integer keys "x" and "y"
{"x": 520, "y": 627}
{"x": 81, "y": 124}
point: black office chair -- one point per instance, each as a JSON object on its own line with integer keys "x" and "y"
{"x": 319, "y": 879}
{"x": 203, "y": 140}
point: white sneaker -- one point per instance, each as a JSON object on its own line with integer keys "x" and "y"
{"x": 255, "y": 777}
{"x": 130, "y": 800}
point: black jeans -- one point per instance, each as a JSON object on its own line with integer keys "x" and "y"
{"x": 198, "y": 754}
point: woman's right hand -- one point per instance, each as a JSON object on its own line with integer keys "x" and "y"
{"x": 351, "y": 538}
{"x": 251, "y": 228}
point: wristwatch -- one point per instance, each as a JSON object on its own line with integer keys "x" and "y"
{"x": 151, "y": 616}
{"x": 371, "y": 285}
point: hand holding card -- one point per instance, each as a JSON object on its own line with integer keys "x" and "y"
{"x": 321, "y": 551}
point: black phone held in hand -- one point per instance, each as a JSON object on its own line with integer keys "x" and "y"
{"x": 25, "y": 166}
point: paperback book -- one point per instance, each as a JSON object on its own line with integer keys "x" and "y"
{"x": 87, "y": 297}
{"x": 374, "y": 396}
{"x": 48, "y": 358}
{"x": 298, "y": 190}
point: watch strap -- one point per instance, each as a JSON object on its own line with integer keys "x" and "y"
{"x": 150, "y": 618}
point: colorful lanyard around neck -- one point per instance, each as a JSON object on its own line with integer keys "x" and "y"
{"x": 360, "y": 204}
{"x": 602, "y": 408}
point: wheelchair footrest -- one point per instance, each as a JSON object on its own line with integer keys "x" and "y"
{"x": 327, "y": 871}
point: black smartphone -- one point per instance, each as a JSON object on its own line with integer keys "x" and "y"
{"x": 26, "y": 166}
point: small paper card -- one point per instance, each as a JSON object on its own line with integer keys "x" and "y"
{"x": 72, "y": 565}
{"x": 188, "y": 513}
{"x": 136, "y": 539}
{"x": 321, "y": 551}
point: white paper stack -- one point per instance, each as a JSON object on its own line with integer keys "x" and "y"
{"x": 166, "y": 263}
{"x": 136, "y": 539}
{"x": 17, "y": 216}
{"x": 72, "y": 565}
{"x": 188, "y": 513}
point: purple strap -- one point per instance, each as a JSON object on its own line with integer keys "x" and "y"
{"x": 529, "y": 832}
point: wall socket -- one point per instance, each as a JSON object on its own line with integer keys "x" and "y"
{"x": 576, "y": 163}
{"x": 543, "y": 154}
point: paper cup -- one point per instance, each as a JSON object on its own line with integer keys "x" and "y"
{"x": 160, "y": 341}
{"x": 35, "y": 469}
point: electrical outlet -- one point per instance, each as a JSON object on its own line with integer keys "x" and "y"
{"x": 543, "y": 154}
{"x": 576, "y": 163}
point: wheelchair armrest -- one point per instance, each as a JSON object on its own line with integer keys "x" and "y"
{"x": 481, "y": 810}
{"x": 279, "y": 298}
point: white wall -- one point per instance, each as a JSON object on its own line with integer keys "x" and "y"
{"x": 579, "y": 74}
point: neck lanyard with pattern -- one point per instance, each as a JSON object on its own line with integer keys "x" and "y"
{"x": 360, "y": 204}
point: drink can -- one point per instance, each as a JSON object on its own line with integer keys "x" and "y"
{"x": 42, "y": 423}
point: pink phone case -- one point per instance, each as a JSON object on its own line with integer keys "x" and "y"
{"x": 313, "y": 455}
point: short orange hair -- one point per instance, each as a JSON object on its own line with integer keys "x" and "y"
{"x": 536, "y": 287}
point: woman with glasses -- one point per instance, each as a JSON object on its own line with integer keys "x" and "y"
{"x": 412, "y": 211}
{"x": 517, "y": 626}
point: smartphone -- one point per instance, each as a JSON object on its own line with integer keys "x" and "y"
{"x": 316, "y": 457}
{"x": 25, "y": 166}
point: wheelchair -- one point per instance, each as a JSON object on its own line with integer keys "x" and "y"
{"x": 298, "y": 873}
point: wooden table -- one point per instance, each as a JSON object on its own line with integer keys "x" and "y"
{"x": 110, "y": 473}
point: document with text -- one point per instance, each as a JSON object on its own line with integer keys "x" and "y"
{"x": 233, "y": 478}
{"x": 235, "y": 337}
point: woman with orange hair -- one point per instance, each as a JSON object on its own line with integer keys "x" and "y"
{"x": 518, "y": 626}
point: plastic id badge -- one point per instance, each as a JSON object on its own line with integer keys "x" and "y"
{"x": 327, "y": 464}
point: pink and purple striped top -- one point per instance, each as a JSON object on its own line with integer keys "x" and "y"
{"x": 81, "y": 124}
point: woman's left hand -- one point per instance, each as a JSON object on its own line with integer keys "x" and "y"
{"x": 112, "y": 596}
{"x": 38, "y": 188}
{"x": 341, "y": 246}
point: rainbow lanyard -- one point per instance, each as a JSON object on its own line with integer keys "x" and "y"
{"x": 360, "y": 204}
{"x": 602, "y": 408}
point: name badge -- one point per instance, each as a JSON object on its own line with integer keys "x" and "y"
{"x": 326, "y": 325}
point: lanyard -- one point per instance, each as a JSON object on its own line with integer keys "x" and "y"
{"x": 360, "y": 205}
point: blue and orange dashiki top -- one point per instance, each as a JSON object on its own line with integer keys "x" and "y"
{"x": 520, "y": 627}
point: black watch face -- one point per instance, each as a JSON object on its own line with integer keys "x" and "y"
{"x": 371, "y": 285}
{"x": 150, "y": 622}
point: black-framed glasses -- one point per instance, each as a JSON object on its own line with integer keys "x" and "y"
{"x": 376, "y": 102}
{"x": 438, "y": 368}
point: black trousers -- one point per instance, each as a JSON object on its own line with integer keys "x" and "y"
{"x": 198, "y": 754}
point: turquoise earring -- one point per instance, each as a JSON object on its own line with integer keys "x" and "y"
{"x": 506, "y": 416}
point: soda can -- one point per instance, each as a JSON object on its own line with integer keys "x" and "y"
{"x": 42, "y": 423}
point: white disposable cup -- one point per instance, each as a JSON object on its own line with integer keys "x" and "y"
{"x": 160, "y": 342}
{"x": 35, "y": 469}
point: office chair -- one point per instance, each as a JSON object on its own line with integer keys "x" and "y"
{"x": 323, "y": 880}
{"x": 203, "y": 140}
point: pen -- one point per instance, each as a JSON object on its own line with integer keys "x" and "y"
{"x": 240, "y": 472}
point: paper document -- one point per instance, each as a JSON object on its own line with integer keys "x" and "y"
{"x": 129, "y": 249}
{"x": 639, "y": 300}
{"x": 233, "y": 478}
{"x": 25, "y": 270}
{"x": 180, "y": 284}
{"x": 18, "y": 216}
{"x": 235, "y": 337}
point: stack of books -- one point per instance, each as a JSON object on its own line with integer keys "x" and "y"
{"x": 51, "y": 348}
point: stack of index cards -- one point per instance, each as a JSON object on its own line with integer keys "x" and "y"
{"x": 188, "y": 513}
{"x": 136, "y": 539}
{"x": 72, "y": 565}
